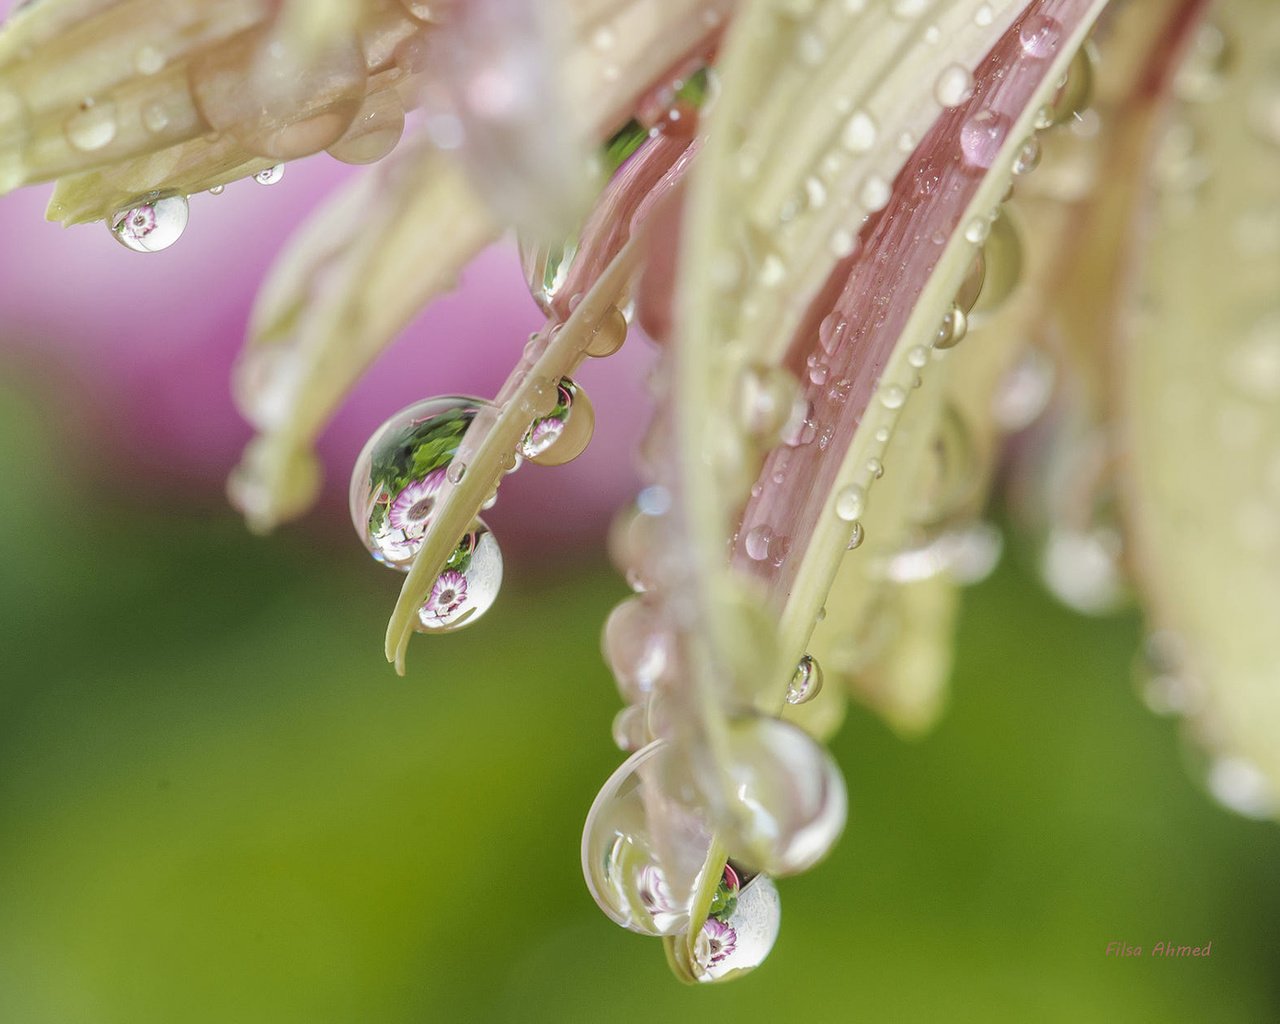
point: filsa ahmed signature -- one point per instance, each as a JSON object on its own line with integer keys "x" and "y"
{"x": 1160, "y": 949}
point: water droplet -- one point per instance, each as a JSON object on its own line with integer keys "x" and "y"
{"x": 269, "y": 175}
{"x": 563, "y": 434}
{"x": 918, "y": 356}
{"x": 398, "y": 476}
{"x": 953, "y": 86}
{"x": 893, "y": 397}
{"x": 740, "y": 940}
{"x": 981, "y": 137}
{"x": 1040, "y": 36}
{"x": 976, "y": 230}
{"x": 1240, "y": 786}
{"x": 148, "y": 60}
{"x": 609, "y": 335}
{"x": 875, "y": 193}
{"x": 457, "y": 470}
{"x": 859, "y": 133}
{"x": 779, "y": 799}
{"x": 1024, "y": 391}
{"x": 757, "y": 542}
{"x": 151, "y": 226}
{"x": 217, "y": 190}
{"x": 1028, "y": 157}
{"x": 908, "y": 10}
{"x": 467, "y": 587}
{"x": 983, "y": 16}
{"x": 155, "y": 118}
{"x": 636, "y": 646}
{"x": 855, "y": 538}
{"x": 766, "y": 397}
{"x": 93, "y": 126}
{"x": 807, "y": 681}
{"x": 954, "y": 327}
{"x": 851, "y": 503}
{"x": 876, "y": 468}
{"x": 1076, "y": 91}
{"x": 375, "y": 131}
{"x": 831, "y": 331}
{"x": 620, "y": 849}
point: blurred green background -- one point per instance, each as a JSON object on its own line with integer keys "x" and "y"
{"x": 218, "y": 804}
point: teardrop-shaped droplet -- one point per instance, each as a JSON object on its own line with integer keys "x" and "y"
{"x": 982, "y": 136}
{"x": 564, "y": 433}
{"x": 467, "y": 587}
{"x": 739, "y": 941}
{"x": 779, "y": 799}
{"x": 152, "y": 225}
{"x": 620, "y": 858}
{"x": 807, "y": 681}
{"x": 398, "y": 475}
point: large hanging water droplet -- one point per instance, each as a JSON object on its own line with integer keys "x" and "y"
{"x": 564, "y": 433}
{"x": 780, "y": 800}
{"x": 467, "y": 587}
{"x": 151, "y": 226}
{"x": 739, "y": 941}
{"x": 620, "y": 859}
{"x": 399, "y": 473}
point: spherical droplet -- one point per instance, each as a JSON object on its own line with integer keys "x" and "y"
{"x": 269, "y": 175}
{"x": 893, "y": 397}
{"x": 982, "y": 136}
{"x": 467, "y": 587}
{"x": 1040, "y": 36}
{"x": 807, "y": 681}
{"x": 398, "y": 475}
{"x": 859, "y": 133}
{"x": 609, "y": 335}
{"x": 783, "y": 798}
{"x": 564, "y": 433}
{"x": 757, "y": 542}
{"x": 739, "y": 940}
{"x": 851, "y": 502}
{"x": 620, "y": 851}
{"x": 953, "y": 86}
{"x": 152, "y": 225}
{"x": 955, "y": 325}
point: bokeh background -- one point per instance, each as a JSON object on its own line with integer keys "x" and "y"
{"x": 218, "y": 804}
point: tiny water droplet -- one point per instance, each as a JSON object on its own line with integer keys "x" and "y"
{"x": 93, "y": 126}
{"x": 855, "y": 538}
{"x": 269, "y": 175}
{"x": 893, "y": 397}
{"x": 1028, "y": 157}
{"x": 757, "y": 542}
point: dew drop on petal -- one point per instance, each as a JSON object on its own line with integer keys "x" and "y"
{"x": 982, "y": 136}
{"x": 375, "y": 132}
{"x": 92, "y": 127}
{"x": 1040, "y": 36}
{"x": 467, "y": 587}
{"x": 859, "y": 133}
{"x": 807, "y": 681}
{"x": 893, "y": 397}
{"x": 269, "y": 175}
{"x": 398, "y": 475}
{"x": 739, "y": 941}
{"x": 150, "y": 226}
{"x": 1028, "y": 157}
{"x": 851, "y": 502}
{"x": 563, "y": 433}
{"x": 636, "y": 646}
{"x": 620, "y": 858}
{"x": 855, "y": 538}
{"x": 953, "y": 86}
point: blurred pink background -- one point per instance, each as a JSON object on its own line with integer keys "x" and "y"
{"x": 137, "y": 352}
